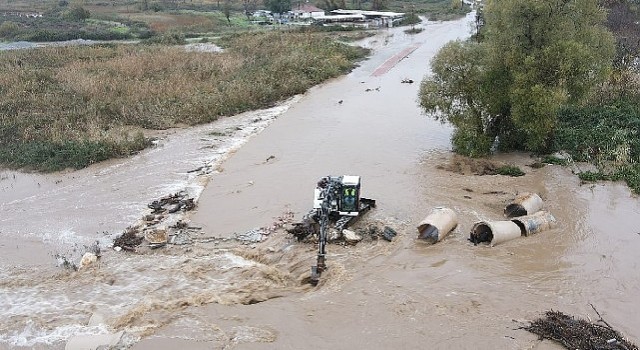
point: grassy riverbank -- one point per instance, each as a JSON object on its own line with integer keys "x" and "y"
{"x": 606, "y": 136}
{"x": 73, "y": 106}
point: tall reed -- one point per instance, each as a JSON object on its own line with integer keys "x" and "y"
{"x": 95, "y": 100}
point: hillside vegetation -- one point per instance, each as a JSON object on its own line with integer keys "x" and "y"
{"x": 122, "y": 19}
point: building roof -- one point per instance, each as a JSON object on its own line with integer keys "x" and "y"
{"x": 307, "y": 8}
{"x": 369, "y": 13}
{"x": 340, "y": 18}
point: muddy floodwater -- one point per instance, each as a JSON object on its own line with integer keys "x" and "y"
{"x": 257, "y": 171}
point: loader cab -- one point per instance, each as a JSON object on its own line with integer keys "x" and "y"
{"x": 346, "y": 195}
{"x": 349, "y": 203}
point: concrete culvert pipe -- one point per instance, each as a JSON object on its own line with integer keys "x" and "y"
{"x": 494, "y": 232}
{"x": 437, "y": 224}
{"x": 523, "y": 204}
{"x": 531, "y": 224}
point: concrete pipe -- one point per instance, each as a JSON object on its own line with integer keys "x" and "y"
{"x": 494, "y": 232}
{"x": 531, "y": 224}
{"x": 437, "y": 224}
{"x": 524, "y": 204}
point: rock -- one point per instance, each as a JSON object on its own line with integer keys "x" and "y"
{"x": 117, "y": 249}
{"x": 88, "y": 259}
{"x": 351, "y": 237}
{"x": 252, "y": 236}
{"x": 388, "y": 233}
{"x": 562, "y": 155}
{"x": 96, "y": 319}
{"x": 158, "y": 236}
{"x": 86, "y": 342}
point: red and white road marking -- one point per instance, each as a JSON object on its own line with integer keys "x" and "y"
{"x": 391, "y": 62}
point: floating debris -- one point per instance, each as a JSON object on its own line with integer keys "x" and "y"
{"x": 575, "y": 333}
{"x": 495, "y": 192}
{"x": 172, "y": 203}
{"x": 128, "y": 240}
{"x": 388, "y": 233}
{"x": 307, "y": 227}
{"x": 407, "y": 81}
{"x": 180, "y": 224}
{"x": 195, "y": 170}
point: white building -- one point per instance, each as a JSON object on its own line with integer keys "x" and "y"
{"x": 306, "y": 11}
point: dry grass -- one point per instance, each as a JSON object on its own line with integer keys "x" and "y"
{"x": 163, "y": 22}
{"x": 52, "y": 96}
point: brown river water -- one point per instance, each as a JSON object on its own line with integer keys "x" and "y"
{"x": 216, "y": 293}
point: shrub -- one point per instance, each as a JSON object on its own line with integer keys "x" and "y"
{"x": 510, "y": 170}
{"x": 590, "y": 176}
{"x": 414, "y": 30}
{"x": 605, "y": 135}
{"x": 77, "y": 13}
{"x": 549, "y": 159}
{"x": 600, "y": 134}
{"x": 169, "y": 38}
{"x": 156, "y": 7}
{"x": 410, "y": 19}
{"x": 9, "y": 29}
{"x": 59, "y": 155}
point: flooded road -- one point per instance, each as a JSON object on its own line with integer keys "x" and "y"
{"x": 218, "y": 294}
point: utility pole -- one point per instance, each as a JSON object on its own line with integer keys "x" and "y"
{"x": 413, "y": 17}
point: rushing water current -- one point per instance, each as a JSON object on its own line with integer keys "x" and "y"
{"x": 258, "y": 170}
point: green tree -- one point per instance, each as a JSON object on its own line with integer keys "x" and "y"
{"x": 249, "y": 7}
{"x": 226, "y": 10}
{"x": 9, "y": 29}
{"x": 377, "y": 5}
{"x": 456, "y": 94}
{"x": 77, "y": 13}
{"x": 535, "y": 57}
{"x": 278, "y": 6}
{"x": 330, "y": 5}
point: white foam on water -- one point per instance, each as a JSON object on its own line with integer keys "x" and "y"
{"x": 33, "y": 334}
{"x": 64, "y": 237}
{"x": 29, "y": 308}
{"x": 236, "y": 261}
